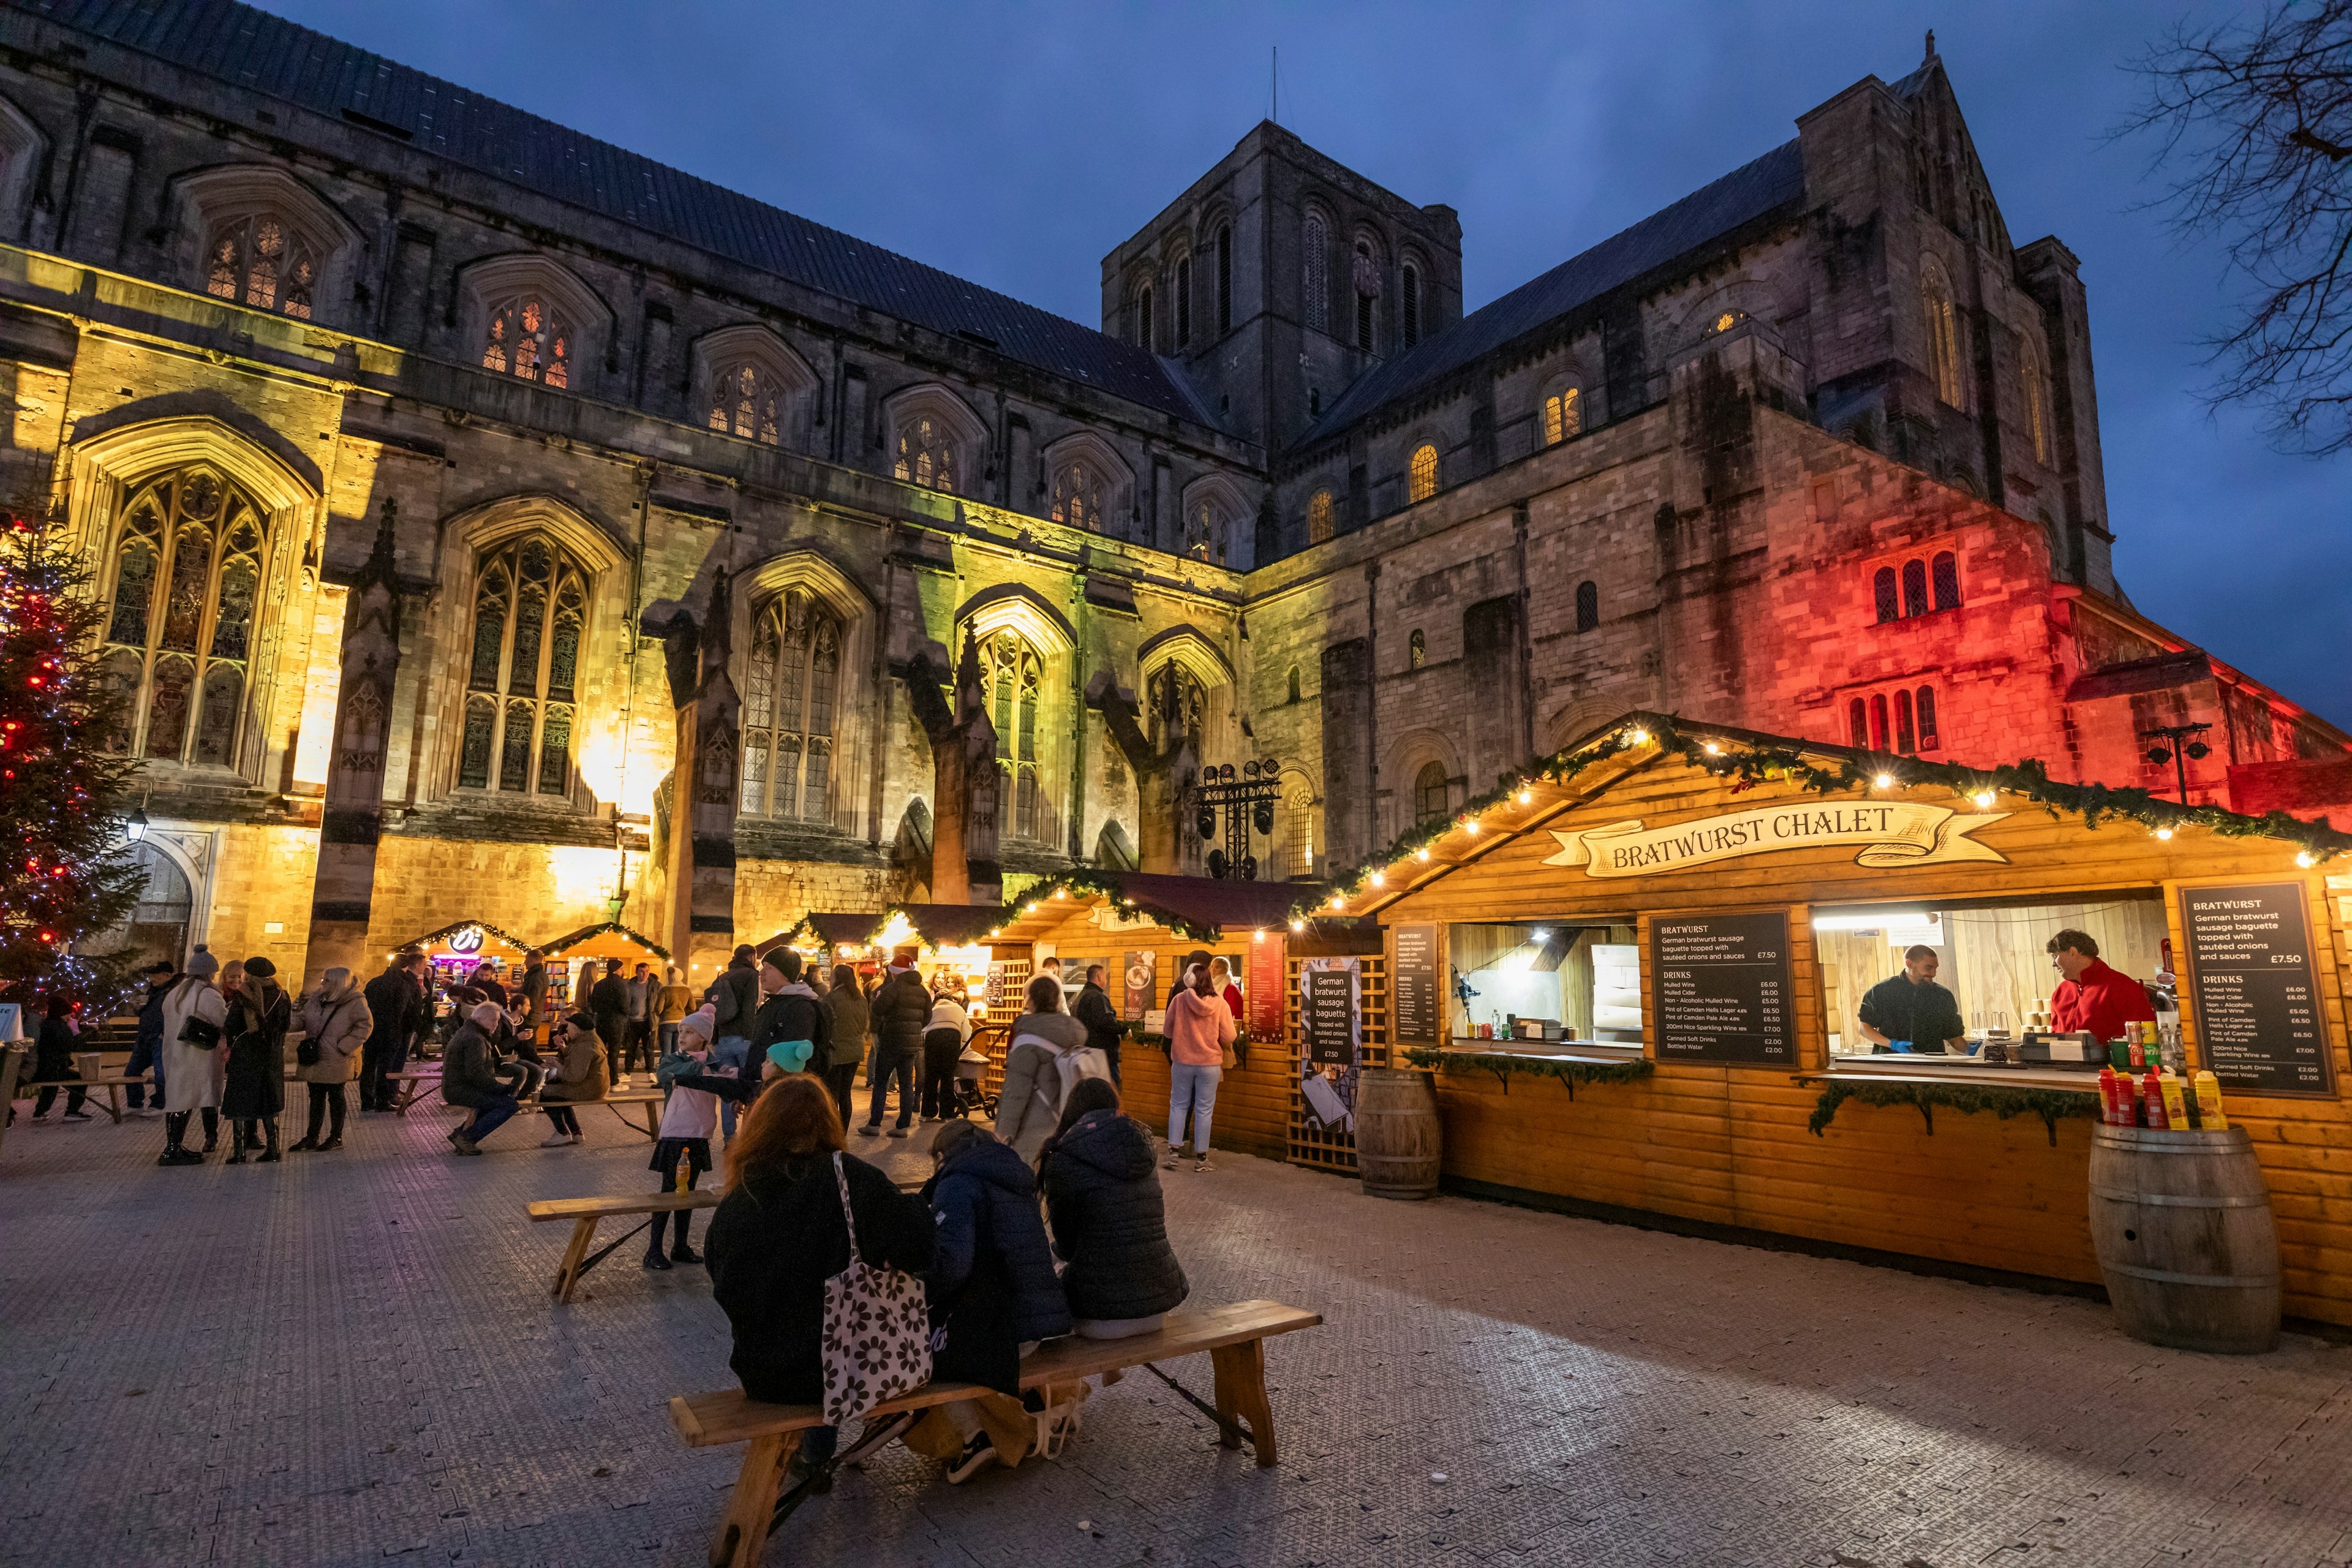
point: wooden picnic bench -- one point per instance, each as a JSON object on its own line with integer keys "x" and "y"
{"x": 113, "y": 1083}
{"x": 584, "y": 1214}
{"x": 1235, "y": 1336}
{"x": 414, "y": 1083}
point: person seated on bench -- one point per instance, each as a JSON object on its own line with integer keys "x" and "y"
{"x": 688, "y": 1118}
{"x": 1111, "y": 1225}
{"x": 470, "y": 1080}
{"x": 578, "y": 1078}
{"x": 992, "y": 1288}
{"x": 53, "y": 1054}
{"x": 778, "y": 1234}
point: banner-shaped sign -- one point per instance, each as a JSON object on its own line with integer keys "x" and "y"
{"x": 1890, "y": 834}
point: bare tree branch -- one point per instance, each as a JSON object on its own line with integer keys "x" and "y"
{"x": 2257, "y": 121}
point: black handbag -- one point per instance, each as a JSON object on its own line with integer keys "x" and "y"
{"x": 196, "y": 1032}
{"x": 307, "y": 1054}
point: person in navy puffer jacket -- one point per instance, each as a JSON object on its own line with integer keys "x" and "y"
{"x": 1110, "y": 1224}
{"x": 994, "y": 1293}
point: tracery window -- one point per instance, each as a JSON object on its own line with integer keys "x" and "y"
{"x": 256, "y": 260}
{"x": 1205, "y": 532}
{"x": 1319, "y": 278}
{"x": 1943, "y": 335}
{"x": 531, "y": 608}
{"x": 1320, "y": 522}
{"x": 746, "y": 401}
{"x": 927, "y": 455}
{"x": 1015, "y": 681}
{"x": 790, "y": 698}
{"x": 1298, "y": 829}
{"x": 2037, "y": 421}
{"x": 1172, "y": 685}
{"x": 1563, "y": 416}
{"x": 526, "y": 336}
{"x": 180, "y": 631}
{"x": 1077, "y": 496}
{"x": 1429, "y": 795}
{"x": 1421, "y": 476}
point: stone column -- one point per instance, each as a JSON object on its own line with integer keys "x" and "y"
{"x": 698, "y": 924}
{"x": 352, "y": 821}
{"x": 983, "y": 783}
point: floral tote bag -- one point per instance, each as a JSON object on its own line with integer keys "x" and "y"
{"x": 877, "y": 1330}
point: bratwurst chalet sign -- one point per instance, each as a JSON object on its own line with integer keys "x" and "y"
{"x": 1890, "y": 835}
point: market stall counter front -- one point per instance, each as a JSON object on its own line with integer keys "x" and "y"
{"x": 1758, "y": 983}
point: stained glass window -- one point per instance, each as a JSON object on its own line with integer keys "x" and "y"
{"x": 1421, "y": 478}
{"x": 1015, "y": 677}
{"x": 927, "y": 455}
{"x": 180, "y": 627}
{"x": 789, "y": 698}
{"x": 1943, "y": 336}
{"x": 1563, "y": 417}
{"x": 258, "y": 261}
{"x": 1429, "y": 794}
{"x": 745, "y": 401}
{"x": 526, "y": 336}
{"x": 1078, "y": 496}
{"x": 1321, "y": 520}
{"x": 531, "y": 606}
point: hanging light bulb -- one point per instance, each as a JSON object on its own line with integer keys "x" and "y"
{"x": 2305, "y": 859}
{"x": 1422, "y": 853}
{"x": 1981, "y": 800}
{"x": 1884, "y": 780}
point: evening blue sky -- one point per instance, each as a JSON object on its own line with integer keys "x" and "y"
{"x": 1016, "y": 145}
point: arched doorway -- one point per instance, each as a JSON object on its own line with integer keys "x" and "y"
{"x": 158, "y": 924}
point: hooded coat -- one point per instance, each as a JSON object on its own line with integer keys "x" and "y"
{"x": 336, "y": 1019}
{"x": 255, "y": 1085}
{"x": 776, "y": 1239}
{"x": 902, "y": 1010}
{"x": 1029, "y": 1101}
{"x": 1110, "y": 1224}
{"x": 846, "y": 1005}
{"x": 992, "y": 1281}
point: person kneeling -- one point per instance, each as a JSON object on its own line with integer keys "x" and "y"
{"x": 994, "y": 1295}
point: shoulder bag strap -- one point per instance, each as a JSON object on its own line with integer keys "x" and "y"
{"x": 848, "y": 1218}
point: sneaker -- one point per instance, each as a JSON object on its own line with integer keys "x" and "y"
{"x": 978, "y": 1454}
{"x": 77, "y": 1116}
{"x": 871, "y": 1130}
{"x": 556, "y": 1141}
{"x": 1201, "y": 1163}
{"x": 900, "y": 1130}
{"x": 653, "y": 1259}
{"x": 464, "y": 1145}
{"x": 580, "y": 1138}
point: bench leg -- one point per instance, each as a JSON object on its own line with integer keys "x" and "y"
{"x": 743, "y": 1534}
{"x": 567, "y": 1274}
{"x": 1241, "y": 1396}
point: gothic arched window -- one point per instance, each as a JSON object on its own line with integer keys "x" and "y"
{"x": 1421, "y": 476}
{"x": 1883, "y": 595}
{"x": 1563, "y": 416}
{"x": 927, "y": 455}
{"x": 790, "y": 696}
{"x": 1298, "y": 829}
{"x": 1928, "y": 738}
{"x": 746, "y": 401}
{"x": 1943, "y": 335}
{"x": 1858, "y": 725}
{"x": 256, "y": 260}
{"x": 1945, "y": 571}
{"x": 1016, "y": 678}
{"x": 1915, "y": 588}
{"x": 1144, "y": 334}
{"x": 1077, "y": 496}
{"x": 1173, "y": 687}
{"x": 180, "y": 634}
{"x": 2037, "y": 420}
{"x": 531, "y": 608}
{"x": 1183, "y": 301}
{"x": 1587, "y": 605}
{"x": 1317, "y": 283}
{"x": 1368, "y": 293}
{"x": 1226, "y": 280}
{"x": 524, "y": 335}
{"x": 1429, "y": 794}
{"x": 1320, "y": 523}
{"x": 1412, "y": 303}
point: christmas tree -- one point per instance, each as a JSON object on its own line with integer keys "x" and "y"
{"x": 66, "y": 871}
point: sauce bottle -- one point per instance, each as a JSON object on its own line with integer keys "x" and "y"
{"x": 2209, "y": 1101}
{"x": 2176, "y": 1108}
{"x": 2107, "y": 1085}
{"x": 2151, "y": 1093}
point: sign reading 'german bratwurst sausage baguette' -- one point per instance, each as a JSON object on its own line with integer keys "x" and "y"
{"x": 1891, "y": 834}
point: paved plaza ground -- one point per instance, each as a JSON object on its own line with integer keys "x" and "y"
{"x": 353, "y": 1359}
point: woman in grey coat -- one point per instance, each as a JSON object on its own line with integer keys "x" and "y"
{"x": 335, "y": 1023}
{"x": 1046, "y": 1040}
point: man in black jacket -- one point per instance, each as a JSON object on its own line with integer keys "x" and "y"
{"x": 1094, "y": 1009}
{"x": 900, "y": 1011}
{"x": 396, "y": 1011}
{"x": 608, "y": 999}
{"x": 792, "y": 1011}
{"x": 147, "y": 1048}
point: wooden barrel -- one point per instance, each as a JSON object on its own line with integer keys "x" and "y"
{"x": 1396, "y": 1134}
{"x": 2182, "y": 1226}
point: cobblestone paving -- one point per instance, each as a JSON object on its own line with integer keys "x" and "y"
{"x": 352, "y": 1359}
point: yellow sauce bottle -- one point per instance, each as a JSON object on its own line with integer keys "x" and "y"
{"x": 2176, "y": 1107}
{"x": 2210, "y": 1115}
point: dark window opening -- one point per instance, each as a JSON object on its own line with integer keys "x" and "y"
{"x": 1905, "y": 741}
{"x": 1914, "y": 588}
{"x": 1928, "y": 738}
{"x": 1587, "y": 605}
{"x": 1857, "y": 724}
{"x": 1224, "y": 280}
{"x": 1946, "y": 574}
{"x": 1878, "y": 723}
{"x": 1882, "y": 588}
{"x": 1411, "y": 306}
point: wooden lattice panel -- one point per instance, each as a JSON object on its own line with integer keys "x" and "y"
{"x": 1310, "y": 1143}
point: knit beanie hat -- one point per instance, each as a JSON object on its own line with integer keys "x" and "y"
{"x": 204, "y": 964}
{"x": 702, "y": 1022}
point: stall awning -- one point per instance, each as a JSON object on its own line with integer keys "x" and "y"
{"x": 442, "y": 937}
{"x": 1203, "y": 909}
{"x": 610, "y": 939}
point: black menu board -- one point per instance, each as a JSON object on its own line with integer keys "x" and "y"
{"x": 2255, "y": 989}
{"x": 1413, "y": 985}
{"x": 1327, "y": 1014}
{"x": 1720, "y": 990}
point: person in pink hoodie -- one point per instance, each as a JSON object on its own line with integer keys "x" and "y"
{"x": 1200, "y": 1027}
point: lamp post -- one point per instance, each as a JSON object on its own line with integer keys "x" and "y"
{"x": 2196, "y": 750}
{"x": 1247, "y": 803}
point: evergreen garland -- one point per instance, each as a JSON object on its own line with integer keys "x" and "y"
{"x": 1504, "y": 1064}
{"x": 1825, "y": 769}
{"x": 2050, "y": 1104}
{"x": 1082, "y": 881}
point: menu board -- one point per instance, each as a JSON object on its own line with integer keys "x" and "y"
{"x": 1720, "y": 989}
{"x": 1137, "y": 973}
{"x": 1263, "y": 1000}
{"x": 2254, "y": 989}
{"x": 1413, "y": 985}
{"x": 1326, "y": 1012}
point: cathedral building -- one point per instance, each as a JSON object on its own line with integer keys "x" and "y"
{"x": 496, "y": 525}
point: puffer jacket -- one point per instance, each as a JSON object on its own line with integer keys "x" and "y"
{"x": 1029, "y": 1101}
{"x": 1110, "y": 1225}
{"x": 470, "y": 1078}
{"x": 339, "y": 1024}
{"x": 740, "y": 982}
{"x": 579, "y": 1074}
{"x": 846, "y": 1005}
{"x": 902, "y": 1010}
{"x": 992, "y": 1281}
{"x": 794, "y": 1013}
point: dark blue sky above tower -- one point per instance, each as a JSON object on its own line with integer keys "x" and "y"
{"x": 1015, "y": 146}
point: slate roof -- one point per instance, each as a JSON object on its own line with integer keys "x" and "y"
{"x": 1747, "y": 193}
{"x": 250, "y": 49}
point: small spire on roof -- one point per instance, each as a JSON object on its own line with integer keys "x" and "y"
{"x": 1931, "y": 46}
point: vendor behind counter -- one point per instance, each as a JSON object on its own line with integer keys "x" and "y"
{"x": 1909, "y": 1010}
{"x": 2092, "y": 995}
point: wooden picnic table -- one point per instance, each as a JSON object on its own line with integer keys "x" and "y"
{"x": 113, "y": 1084}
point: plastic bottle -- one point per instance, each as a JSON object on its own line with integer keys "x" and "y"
{"x": 2152, "y": 1096}
{"x": 2209, "y": 1114}
{"x": 2176, "y": 1107}
{"x": 2135, "y": 1052}
{"x": 2109, "y": 1083}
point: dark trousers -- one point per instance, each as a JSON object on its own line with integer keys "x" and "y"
{"x": 610, "y": 1028}
{"x": 326, "y": 1097}
{"x": 893, "y": 1062}
{"x": 175, "y": 1127}
{"x": 489, "y": 1116}
{"x": 1110, "y": 1053}
{"x": 561, "y": 1118}
{"x": 144, "y": 1058}
{"x": 684, "y": 1218}
{"x": 841, "y": 1079}
{"x": 250, "y": 1130}
{"x": 637, "y": 1044}
{"x": 941, "y": 1048}
{"x": 383, "y": 1056}
{"x": 48, "y": 1097}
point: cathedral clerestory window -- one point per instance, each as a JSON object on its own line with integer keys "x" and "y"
{"x": 258, "y": 261}
{"x": 530, "y": 606}
{"x": 525, "y": 336}
{"x": 1077, "y": 496}
{"x": 180, "y": 633}
{"x": 926, "y": 455}
{"x": 1421, "y": 476}
{"x": 1015, "y": 681}
{"x": 746, "y": 401}
{"x": 791, "y": 699}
